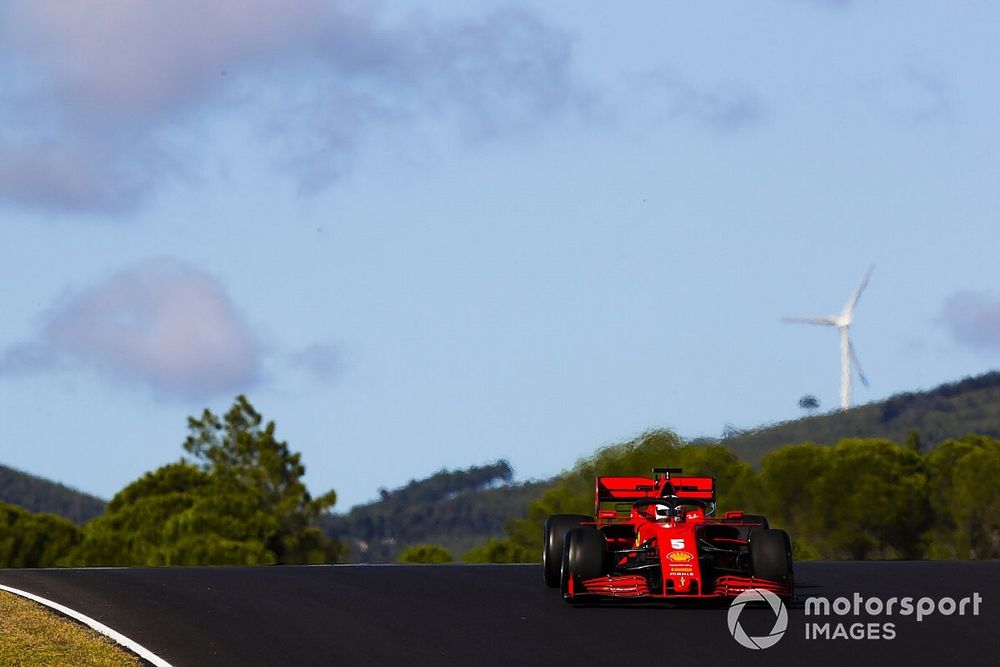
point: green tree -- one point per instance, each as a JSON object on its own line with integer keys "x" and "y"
{"x": 131, "y": 531}
{"x": 788, "y": 497}
{"x": 34, "y": 540}
{"x": 240, "y": 501}
{"x": 499, "y": 551}
{"x": 977, "y": 502}
{"x": 858, "y": 499}
{"x": 941, "y": 464}
{"x": 246, "y": 460}
{"x": 964, "y": 476}
{"x": 425, "y": 553}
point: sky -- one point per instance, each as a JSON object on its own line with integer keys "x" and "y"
{"x": 425, "y": 236}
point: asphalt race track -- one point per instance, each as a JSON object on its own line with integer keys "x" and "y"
{"x": 497, "y": 614}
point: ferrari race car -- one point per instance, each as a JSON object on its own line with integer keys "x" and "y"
{"x": 657, "y": 539}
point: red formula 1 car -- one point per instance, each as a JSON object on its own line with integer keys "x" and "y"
{"x": 657, "y": 539}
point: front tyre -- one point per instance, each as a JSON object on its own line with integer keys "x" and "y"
{"x": 556, "y": 527}
{"x": 583, "y": 558}
{"x": 771, "y": 555}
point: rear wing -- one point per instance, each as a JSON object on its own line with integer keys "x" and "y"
{"x": 616, "y": 494}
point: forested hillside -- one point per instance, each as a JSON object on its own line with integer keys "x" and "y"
{"x": 457, "y": 509}
{"x": 908, "y": 457}
{"x": 859, "y": 499}
{"x": 41, "y": 495}
{"x": 926, "y": 419}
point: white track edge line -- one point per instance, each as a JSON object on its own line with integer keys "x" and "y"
{"x": 97, "y": 626}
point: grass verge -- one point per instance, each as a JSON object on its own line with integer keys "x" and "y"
{"x": 32, "y": 635}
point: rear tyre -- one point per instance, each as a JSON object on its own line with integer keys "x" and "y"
{"x": 556, "y": 527}
{"x": 771, "y": 555}
{"x": 583, "y": 558}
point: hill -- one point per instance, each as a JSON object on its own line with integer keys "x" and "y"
{"x": 463, "y": 509}
{"x": 41, "y": 495}
{"x": 924, "y": 418}
{"x": 458, "y": 509}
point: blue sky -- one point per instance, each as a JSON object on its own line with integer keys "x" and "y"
{"x": 423, "y": 238}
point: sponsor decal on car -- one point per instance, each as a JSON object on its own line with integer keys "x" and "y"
{"x": 679, "y": 556}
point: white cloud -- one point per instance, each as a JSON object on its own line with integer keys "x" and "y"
{"x": 320, "y": 361}
{"x": 92, "y": 87}
{"x": 162, "y": 324}
{"x": 724, "y": 106}
{"x": 973, "y": 318}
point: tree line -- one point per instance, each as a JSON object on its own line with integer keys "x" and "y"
{"x": 237, "y": 498}
{"x": 971, "y": 405}
{"x": 453, "y": 509}
{"x": 859, "y": 499}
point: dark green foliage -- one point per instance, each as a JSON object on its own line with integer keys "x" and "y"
{"x": 425, "y": 553}
{"x": 809, "y": 402}
{"x": 859, "y": 499}
{"x": 965, "y": 483}
{"x": 40, "y": 495}
{"x": 179, "y": 478}
{"x": 174, "y": 516}
{"x": 499, "y": 551}
{"x": 241, "y": 498}
{"x": 458, "y": 509}
{"x": 34, "y": 540}
{"x": 949, "y": 411}
{"x": 240, "y": 502}
{"x": 447, "y": 483}
{"x": 248, "y": 463}
{"x": 874, "y": 499}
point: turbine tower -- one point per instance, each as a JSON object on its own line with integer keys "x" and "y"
{"x": 848, "y": 358}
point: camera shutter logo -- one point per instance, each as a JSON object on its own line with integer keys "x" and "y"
{"x": 780, "y": 620}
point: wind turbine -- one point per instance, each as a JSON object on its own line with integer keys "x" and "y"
{"x": 848, "y": 358}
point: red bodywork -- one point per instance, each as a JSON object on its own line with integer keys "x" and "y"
{"x": 690, "y": 555}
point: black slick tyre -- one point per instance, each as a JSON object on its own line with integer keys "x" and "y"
{"x": 556, "y": 527}
{"x": 582, "y": 558}
{"x": 771, "y": 555}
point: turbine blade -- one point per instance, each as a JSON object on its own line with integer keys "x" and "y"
{"x": 848, "y": 313}
{"x": 857, "y": 364}
{"x": 828, "y": 321}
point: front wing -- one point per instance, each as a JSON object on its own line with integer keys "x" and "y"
{"x": 631, "y": 586}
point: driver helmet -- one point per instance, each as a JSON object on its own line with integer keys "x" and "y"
{"x": 663, "y": 512}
